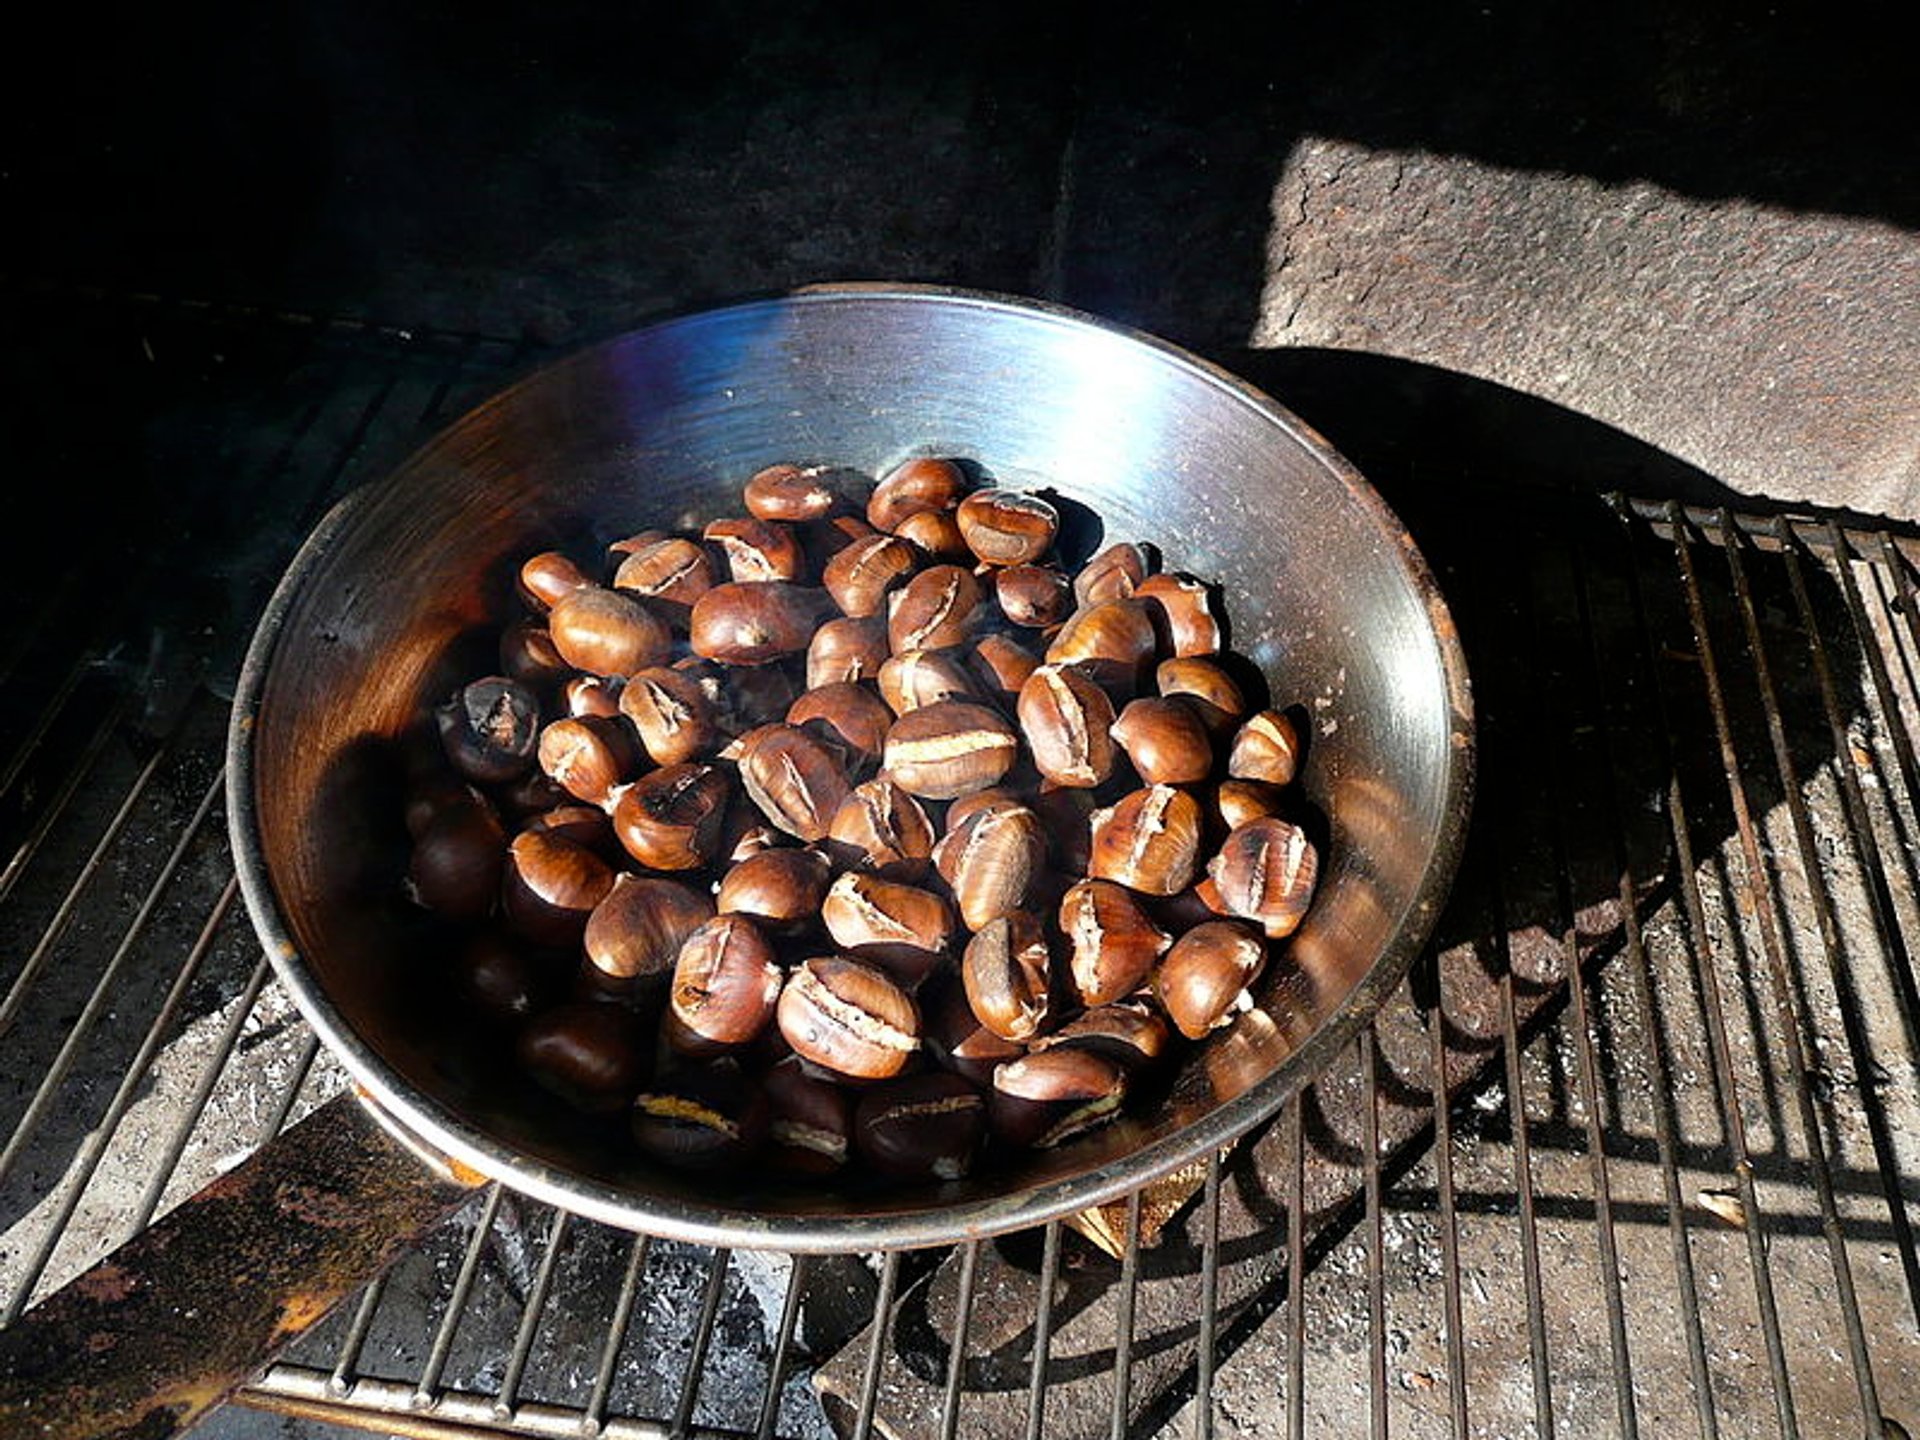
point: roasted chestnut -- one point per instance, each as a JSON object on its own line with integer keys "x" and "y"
{"x": 1185, "y": 611}
{"x": 550, "y": 886}
{"x": 923, "y": 483}
{"x": 810, "y": 1120}
{"x": 588, "y": 755}
{"x": 846, "y": 714}
{"x": 1203, "y": 683}
{"x": 1035, "y": 597}
{"x": 797, "y": 782}
{"x": 902, "y": 928}
{"x": 1266, "y": 748}
{"x": 636, "y": 931}
{"x": 757, "y": 549}
{"x": 915, "y": 678}
{"x": 948, "y": 749}
{"x": 789, "y": 492}
{"x": 1005, "y": 971}
{"x": 490, "y": 729}
{"x": 989, "y": 861}
{"x": 706, "y": 1117}
{"x": 1007, "y": 527}
{"x": 1068, "y": 723}
{"x": 1202, "y": 981}
{"x": 673, "y": 712}
{"x": 1165, "y": 740}
{"x": 457, "y": 860}
{"x": 936, "y": 609}
{"x": 847, "y": 649}
{"x": 671, "y": 571}
{"x": 1148, "y": 840}
{"x": 1265, "y": 872}
{"x": 849, "y": 1018}
{"x": 880, "y": 827}
{"x": 1044, "y": 1098}
{"x": 673, "y": 818}
{"x": 588, "y": 1053}
{"x": 1113, "y": 941}
{"x": 754, "y": 622}
{"x": 1113, "y": 574}
{"x": 547, "y": 578}
{"x": 528, "y": 654}
{"x": 726, "y": 981}
{"x": 921, "y": 1127}
{"x": 782, "y": 888}
{"x": 1114, "y": 641}
{"x": 860, "y": 574}
{"x": 607, "y": 632}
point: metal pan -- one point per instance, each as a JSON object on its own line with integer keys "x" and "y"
{"x": 394, "y": 599}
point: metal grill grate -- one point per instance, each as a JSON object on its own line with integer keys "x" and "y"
{"x": 1670, "y": 1198}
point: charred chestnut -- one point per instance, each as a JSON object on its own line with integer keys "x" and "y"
{"x": 490, "y": 729}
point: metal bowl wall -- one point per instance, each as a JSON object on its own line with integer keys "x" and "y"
{"x": 397, "y": 597}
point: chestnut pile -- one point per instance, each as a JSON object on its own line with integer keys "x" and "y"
{"x": 856, "y": 830}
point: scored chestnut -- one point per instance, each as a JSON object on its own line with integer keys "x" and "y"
{"x": 921, "y": 1127}
{"x": 1114, "y": 942}
{"x": 490, "y": 729}
{"x": 846, "y": 714}
{"x": 901, "y": 928}
{"x": 726, "y": 981}
{"x": 1202, "y": 981}
{"x": 880, "y": 827}
{"x": 550, "y": 885}
{"x": 923, "y": 483}
{"x": 860, "y": 574}
{"x": 1265, "y": 872}
{"x": 672, "y": 571}
{"x": 797, "y": 782}
{"x": 948, "y": 749}
{"x": 789, "y": 492}
{"x": 810, "y": 1120}
{"x": 849, "y": 1018}
{"x": 1266, "y": 747}
{"x": 1005, "y": 973}
{"x": 705, "y": 1117}
{"x": 1148, "y": 840}
{"x": 1007, "y": 527}
{"x": 1068, "y": 722}
{"x": 847, "y": 649}
{"x": 588, "y": 755}
{"x": 1113, "y": 574}
{"x": 675, "y": 715}
{"x": 1034, "y": 597}
{"x": 936, "y": 609}
{"x": 757, "y": 549}
{"x": 1049, "y": 1096}
{"x": 990, "y": 859}
{"x": 913, "y": 678}
{"x": 1184, "y": 608}
{"x": 673, "y": 818}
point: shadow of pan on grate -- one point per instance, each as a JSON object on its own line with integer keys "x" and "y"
{"x": 1649, "y": 700}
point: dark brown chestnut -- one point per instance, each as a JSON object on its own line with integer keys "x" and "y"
{"x": 589, "y": 1054}
{"x": 1202, "y": 981}
{"x": 589, "y": 755}
{"x": 1148, "y": 840}
{"x": 591, "y": 695}
{"x": 920, "y": 1127}
{"x": 1042, "y": 1099}
{"x": 810, "y": 1120}
{"x": 881, "y": 828}
{"x": 949, "y": 749}
{"x": 1265, "y": 872}
{"x": 490, "y": 729}
{"x": 1238, "y": 801}
{"x": 1184, "y": 609}
{"x": 847, "y": 649}
{"x": 726, "y": 981}
{"x": 923, "y": 483}
{"x": 936, "y": 609}
{"x": 528, "y": 654}
{"x": 936, "y": 535}
{"x": 1035, "y": 597}
{"x": 704, "y": 1117}
{"x": 859, "y": 575}
{"x": 1165, "y": 741}
{"x": 673, "y": 818}
{"x": 1114, "y": 641}
{"x": 1001, "y": 665}
{"x": 672, "y": 572}
{"x": 1007, "y": 527}
{"x": 1113, "y": 574}
{"x": 989, "y": 861}
{"x": 673, "y": 712}
{"x": 547, "y": 578}
{"x": 901, "y": 928}
{"x": 957, "y": 1040}
{"x": 1131, "y": 1033}
{"x": 1205, "y": 684}
{"x": 848, "y": 715}
{"x": 1005, "y": 971}
{"x": 757, "y": 550}
{"x": 503, "y": 980}
{"x": 1266, "y": 748}
{"x": 754, "y": 622}
{"x": 550, "y": 886}
{"x": 457, "y": 860}
{"x": 797, "y": 781}
{"x": 782, "y": 889}
{"x": 789, "y": 493}
{"x": 636, "y": 931}
{"x": 849, "y": 1018}
{"x": 607, "y": 632}
{"x": 1113, "y": 942}
{"x": 1068, "y": 723}
{"x": 913, "y": 678}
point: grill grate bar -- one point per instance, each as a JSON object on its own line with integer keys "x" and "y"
{"x": 103, "y": 989}
{"x": 1554, "y": 722}
{"x": 1043, "y": 1332}
{"x": 638, "y": 1251}
{"x": 426, "y": 1390}
{"x": 1123, "y": 1319}
{"x": 1660, "y": 1087}
{"x": 1886, "y": 931}
{"x": 1449, "y": 1228}
{"x": 1704, "y": 973}
{"x": 1865, "y": 632}
{"x": 1296, "y": 1272}
{"x": 87, "y": 1162}
{"x": 1789, "y": 1015}
{"x": 1369, "y": 1045}
{"x": 203, "y": 1091}
{"x": 340, "y": 1382}
{"x": 703, "y": 1339}
{"x": 29, "y": 847}
{"x": 782, "y": 1346}
{"x": 1209, "y": 1300}
{"x": 530, "y": 1316}
{"x": 957, "y": 1340}
{"x": 876, "y": 1353}
{"x": 51, "y": 711}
